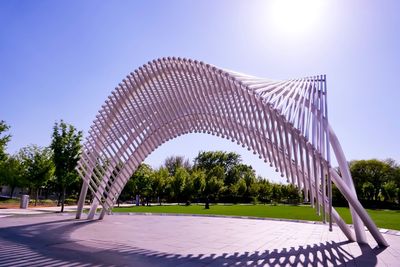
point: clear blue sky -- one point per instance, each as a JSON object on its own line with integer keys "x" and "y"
{"x": 61, "y": 59}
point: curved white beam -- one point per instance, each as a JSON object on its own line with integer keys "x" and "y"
{"x": 344, "y": 170}
{"x": 284, "y": 122}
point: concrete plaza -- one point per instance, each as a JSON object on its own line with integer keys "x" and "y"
{"x": 156, "y": 240}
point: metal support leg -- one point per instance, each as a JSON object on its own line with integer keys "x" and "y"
{"x": 342, "y": 225}
{"x": 93, "y": 209}
{"x": 103, "y": 212}
{"x": 344, "y": 169}
{"x": 358, "y": 208}
{"x": 82, "y": 198}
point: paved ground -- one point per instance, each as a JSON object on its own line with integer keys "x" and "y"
{"x": 36, "y": 210}
{"x": 33, "y": 210}
{"x": 140, "y": 240}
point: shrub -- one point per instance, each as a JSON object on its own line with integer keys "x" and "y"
{"x": 70, "y": 201}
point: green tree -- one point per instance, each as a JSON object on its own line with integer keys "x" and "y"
{"x": 172, "y": 163}
{"x": 199, "y": 182}
{"x": 66, "y": 146}
{"x": 253, "y": 190}
{"x": 189, "y": 189}
{"x": 367, "y": 190}
{"x": 127, "y": 191}
{"x": 12, "y": 173}
{"x": 264, "y": 190}
{"x": 4, "y": 139}
{"x": 214, "y": 183}
{"x": 159, "y": 183}
{"x": 337, "y": 198}
{"x": 392, "y": 163}
{"x": 232, "y": 169}
{"x": 373, "y": 171}
{"x": 38, "y": 167}
{"x": 292, "y": 194}
{"x": 178, "y": 182}
{"x": 389, "y": 190}
{"x": 249, "y": 176}
{"x": 241, "y": 188}
{"x": 231, "y": 192}
{"x": 238, "y": 171}
{"x": 276, "y": 192}
{"x": 207, "y": 160}
{"x": 142, "y": 182}
{"x": 396, "y": 179}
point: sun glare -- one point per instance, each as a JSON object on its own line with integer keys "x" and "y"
{"x": 295, "y": 16}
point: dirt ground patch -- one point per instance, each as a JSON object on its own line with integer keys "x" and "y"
{"x": 16, "y": 205}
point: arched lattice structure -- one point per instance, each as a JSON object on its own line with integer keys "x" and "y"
{"x": 284, "y": 122}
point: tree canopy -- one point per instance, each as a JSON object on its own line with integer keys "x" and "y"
{"x": 206, "y": 181}
{"x": 377, "y": 183}
{"x": 66, "y": 146}
{"x": 215, "y": 176}
{"x": 12, "y": 173}
{"x": 4, "y": 139}
{"x": 38, "y": 167}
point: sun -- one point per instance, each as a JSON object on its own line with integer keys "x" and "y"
{"x": 295, "y": 17}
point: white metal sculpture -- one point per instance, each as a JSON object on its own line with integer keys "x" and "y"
{"x": 284, "y": 122}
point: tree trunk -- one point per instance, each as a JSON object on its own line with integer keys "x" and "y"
{"x": 376, "y": 197}
{"x": 137, "y": 200}
{"x": 59, "y": 199}
{"x": 12, "y": 191}
{"x": 207, "y": 206}
{"x": 36, "y": 196}
{"x": 46, "y": 193}
{"x": 63, "y": 199}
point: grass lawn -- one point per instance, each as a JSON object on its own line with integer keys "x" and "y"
{"x": 383, "y": 218}
{"x": 389, "y": 219}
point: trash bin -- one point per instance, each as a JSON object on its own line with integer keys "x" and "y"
{"x": 24, "y": 202}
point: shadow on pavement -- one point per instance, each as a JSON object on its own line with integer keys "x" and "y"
{"x": 49, "y": 244}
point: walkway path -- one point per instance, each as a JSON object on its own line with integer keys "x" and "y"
{"x": 34, "y": 210}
